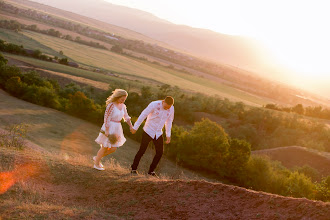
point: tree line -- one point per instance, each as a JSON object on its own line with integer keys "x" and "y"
{"x": 311, "y": 111}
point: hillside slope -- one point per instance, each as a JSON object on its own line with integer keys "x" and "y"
{"x": 60, "y": 133}
{"x": 48, "y": 186}
{"x": 296, "y": 156}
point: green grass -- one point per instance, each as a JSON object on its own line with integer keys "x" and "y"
{"x": 28, "y": 43}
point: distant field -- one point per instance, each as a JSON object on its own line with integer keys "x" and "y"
{"x": 28, "y": 43}
{"x": 126, "y": 66}
{"x": 43, "y": 26}
{"x": 85, "y": 21}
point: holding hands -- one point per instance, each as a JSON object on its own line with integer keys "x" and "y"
{"x": 168, "y": 140}
{"x": 133, "y": 131}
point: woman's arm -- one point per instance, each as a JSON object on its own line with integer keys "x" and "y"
{"x": 127, "y": 118}
{"x": 107, "y": 117}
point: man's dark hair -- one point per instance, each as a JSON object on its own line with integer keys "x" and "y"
{"x": 169, "y": 100}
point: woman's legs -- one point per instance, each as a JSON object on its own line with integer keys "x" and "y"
{"x": 104, "y": 151}
{"x": 109, "y": 150}
{"x": 99, "y": 155}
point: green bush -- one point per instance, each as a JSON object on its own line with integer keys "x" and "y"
{"x": 309, "y": 172}
{"x": 239, "y": 153}
{"x": 257, "y": 174}
{"x": 298, "y": 185}
{"x": 15, "y": 86}
{"x": 323, "y": 190}
{"x": 81, "y": 106}
{"x": 205, "y": 147}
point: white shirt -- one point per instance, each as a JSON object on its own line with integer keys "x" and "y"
{"x": 157, "y": 117}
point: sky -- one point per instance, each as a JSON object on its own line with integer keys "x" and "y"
{"x": 296, "y": 31}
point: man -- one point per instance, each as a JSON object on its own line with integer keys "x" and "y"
{"x": 158, "y": 114}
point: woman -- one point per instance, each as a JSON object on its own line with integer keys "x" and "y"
{"x": 111, "y": 135}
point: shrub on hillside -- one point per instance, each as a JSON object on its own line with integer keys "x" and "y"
{"x": 176, "y": 147}
{"x": 258, "y": 173}
{"x": 81, "y": 106}
{"x": 298, "y": 185}
{"x": 15, "y": 86}
{"x": 239, "y": 153}
{"x": 3, "y": 61}
{"x": 6, "y": 72}
{"x": 205, "y": 147}
{"x": 308, "y": 171}
{"x": 323, "y": 190}
{"x": 14, "y": 136}
{"x": 41, "y": 96}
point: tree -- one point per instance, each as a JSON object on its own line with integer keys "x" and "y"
{"x": 117, "y": 49}
{"x": 299, "y": 109}
{"x": 63, "y": 61}
{"x": 37, "y": 53}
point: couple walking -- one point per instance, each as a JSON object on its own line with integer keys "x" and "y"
{"x": 158, "y": 114}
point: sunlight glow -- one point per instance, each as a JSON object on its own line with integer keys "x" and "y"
{"x": 295, "y": 31}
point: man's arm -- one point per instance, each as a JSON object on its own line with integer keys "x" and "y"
{"x": 143, "y": 116}
{"x": 168, "y": 127}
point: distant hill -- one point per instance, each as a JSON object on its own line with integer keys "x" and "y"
{"x": 233, "y": 50}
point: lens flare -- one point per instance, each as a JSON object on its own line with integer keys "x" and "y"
{"x": 20, "y": 173}
{"x": 77, "y": 141}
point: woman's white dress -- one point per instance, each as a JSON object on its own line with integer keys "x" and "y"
{"x": 112, "y": 118}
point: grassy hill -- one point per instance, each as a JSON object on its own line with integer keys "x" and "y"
{"x": 36, "y": 185}
{"x": 296, "y": 156}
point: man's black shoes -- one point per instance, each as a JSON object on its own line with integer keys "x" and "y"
{"x": 134, "y": 172}
{"x": 153, "y": 174}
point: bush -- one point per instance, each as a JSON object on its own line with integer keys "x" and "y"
{"x": 238, "y": 156}
{"x": 81, "y": 106}
{"x": 15, "y": 86}
{"x": 299, "y": 185}
{"x": 205, "y": 147}
{"x": 309, "y": 172}
{"x": 14, "y": 137}
{"x": 323, "y": 190}
{"x": 257, "y": 174}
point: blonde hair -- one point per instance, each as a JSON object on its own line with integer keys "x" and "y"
{"x": 117, "y": 94}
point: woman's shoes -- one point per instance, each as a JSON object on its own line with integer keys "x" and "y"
{"x": 100, "y": 164}
{"x": 98, "y": 168}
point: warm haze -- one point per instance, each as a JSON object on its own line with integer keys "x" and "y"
{"x": 294, "y": 30}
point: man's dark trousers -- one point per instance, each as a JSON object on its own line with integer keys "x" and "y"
{"x": 143, "y": 147}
